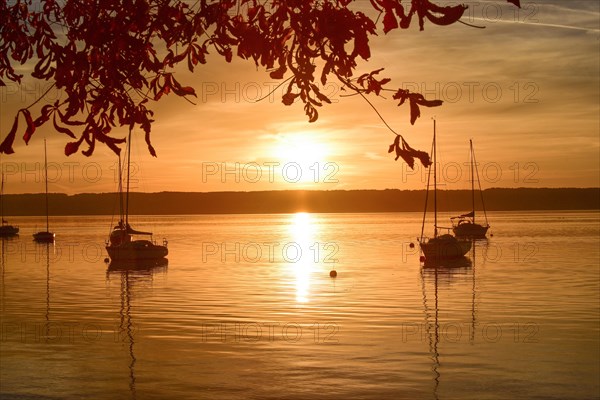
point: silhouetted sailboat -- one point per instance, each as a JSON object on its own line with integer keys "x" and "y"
{"x": 121, "y": 246}
{"x": 45, "y": 236}
{"x": 6, "y": 230}
{"x": 439, "y": 247}
{"x": 464, "y": 225}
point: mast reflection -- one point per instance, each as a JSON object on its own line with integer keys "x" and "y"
{"x": 437, "y": 276}
{"x": 131, "y": 274}
{"x": 47, "y": 246}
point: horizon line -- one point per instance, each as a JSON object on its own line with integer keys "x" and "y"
{"x": 315, "y": 190}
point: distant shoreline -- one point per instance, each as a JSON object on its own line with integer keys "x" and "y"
{"x": 290, "y": 201}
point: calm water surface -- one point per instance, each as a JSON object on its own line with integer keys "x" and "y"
{"x": 245, "y": 308}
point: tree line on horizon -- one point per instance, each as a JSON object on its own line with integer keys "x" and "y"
{"x": 270, "y": 202}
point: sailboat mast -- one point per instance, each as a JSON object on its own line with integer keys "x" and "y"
{"x": 120, "y": 190}
{"x": 434, "y": 184}
{"x": 479, "y": 184}
{"x": 46, "y": 178}
{"x": 127, "y": 195}
{"x": 472, "y": 180}
{"x": 426, "y": 199}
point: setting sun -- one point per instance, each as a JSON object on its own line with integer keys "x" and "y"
{"x": 301, "y": 148}
{"x": 302, "y": 157}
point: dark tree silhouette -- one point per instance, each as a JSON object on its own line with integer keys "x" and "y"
{"x": 112, "y": 58}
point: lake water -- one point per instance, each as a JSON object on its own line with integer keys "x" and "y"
{"x": 246, "y": 308}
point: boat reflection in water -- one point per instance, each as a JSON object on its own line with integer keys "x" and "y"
{"x": 447, "y": 265}
{"x": 131, "y": 273}
{"x": 445, "y": 276}
{"x": 138, "y": 267}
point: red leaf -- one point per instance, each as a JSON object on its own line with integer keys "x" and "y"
{"x": 443, "y": 15}
{"x": 72, "y": 147}
{"x": 401, "y": 95}
{"x": 389, "y": 21}
{"x": 288, "y": 98}
{"x": 395, "y": 145}
{"x": 423, "y": 157}
{"x": 47, "y": 110}
{"x": 30, "y": 125}
{"x": 150, "y": 147}
{"x": 6, "y": 146}
{"x": 361, "y": 47}
{"x": 65, "y": 119}
{"x": 406, "y": 156}
{"x": 320, "y": 95}
{"x": 90, "y": 149}
{"x": 311, "y": 112}
{"x": 429, "y": 103}
{"x": 184, "y": 91}
{"x": 114, "y": 147}
{"x": 279, "y": 72}
{"x": 414, "y": 111}
{"x": 228, "y": 55}
{"x": 60, "y": 129}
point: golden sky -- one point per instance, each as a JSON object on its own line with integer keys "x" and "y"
{"x": 526, "y": 89}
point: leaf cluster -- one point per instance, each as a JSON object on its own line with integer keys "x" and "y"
{"x": 114, "y": 58}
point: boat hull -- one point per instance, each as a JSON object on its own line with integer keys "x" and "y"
{"x": 8, "y": 230}
{"x": 136, "y": 250}
{"x": 471, "y": 230}
{"x": 44, "y": 237}
{"x": 445, "y": 247}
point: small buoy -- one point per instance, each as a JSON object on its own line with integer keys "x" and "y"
{"x": 422, "y": 258}
{"x": 106, "y": 260}
{"x": 411, "y": 245}
{"x": 333, "y": 273}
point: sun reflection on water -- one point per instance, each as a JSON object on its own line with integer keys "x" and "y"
{"x": 301, "y": 252}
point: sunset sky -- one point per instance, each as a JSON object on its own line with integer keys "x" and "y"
{"x": 526, "y": 89}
